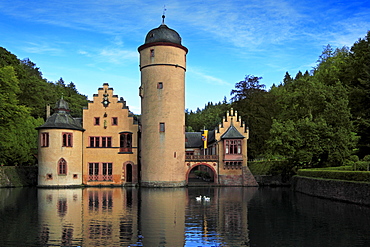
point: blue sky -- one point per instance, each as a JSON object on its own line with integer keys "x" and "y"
{"x": 91, "y": 42}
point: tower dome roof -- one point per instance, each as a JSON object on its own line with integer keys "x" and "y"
{"x": 61, "y": 118}
{"x": 163, "y": 34}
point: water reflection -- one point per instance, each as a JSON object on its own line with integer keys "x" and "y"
{"x": 173, "y": 217}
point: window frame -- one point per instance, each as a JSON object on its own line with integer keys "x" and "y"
{"x": 233, "y": 147}
{"x": 96, "y": 121}
{"x": 62, "y": 167}
{"x": 67, "y": 139}
{"x": 44, "y": 139}
{"x": 106, "y": 142}
{"x": 162, "y": 127}
{"x": 125, "y": 142}
{"x": 114, "y": 121}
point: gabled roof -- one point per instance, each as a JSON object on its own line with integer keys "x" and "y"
{"x": 232, "y": 133}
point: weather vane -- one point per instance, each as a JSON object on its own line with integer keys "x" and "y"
{"x": 164, "y": 13}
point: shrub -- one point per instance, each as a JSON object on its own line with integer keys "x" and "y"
{"x": 359, "y": 176}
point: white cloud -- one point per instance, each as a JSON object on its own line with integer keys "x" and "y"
{"x": 41, "y": 48}
{"x": 202, "y": 77}
{"x": 118, "y": 56}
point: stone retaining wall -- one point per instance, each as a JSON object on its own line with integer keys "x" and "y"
{"x": 355, "y": 192}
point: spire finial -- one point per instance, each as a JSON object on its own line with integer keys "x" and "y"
{"x": 164, "y": 13}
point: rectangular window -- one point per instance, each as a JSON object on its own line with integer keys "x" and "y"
{"x": 94, "y": 141}
{"x": 151, "y": 52}
{"x": 44, "y": 139}
{"x": 161, "y": 127}
{"x": 160, "y": 85}
{"x": 100, "y": 171}
{"x": 125, "y": 142}
{"x": 114, "y": 121}
{"x": 107, "y": 168}
{"x": 106, "y": 142}
{"x": 97, "y": 121}
{"x": 67, "y": 140}
{"x": 233, "y": 147}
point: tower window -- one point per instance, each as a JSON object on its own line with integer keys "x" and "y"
{"x": 152, "y": 53}
{"x": 161, "y": 127}
{"x": 44, "y": 139}
{"x": 141, "y": 91}
{"x": 62, "y": 167}
{"x": 67, "y": 139}
{"x": 160, "y": 85}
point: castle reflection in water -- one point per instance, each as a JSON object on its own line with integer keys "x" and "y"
{"x": 143, "y": 217}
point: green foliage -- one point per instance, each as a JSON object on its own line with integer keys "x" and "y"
{"x": 336, "y": 174}
{"x": 35, "y": 92}
{"x": 257, "y": 108}
{"x": 18, "y": 137}
{"x": 24, "y": 95}
{"x": 208, "y": 118}
{"x": 313, "y": 127}
{"x": 202, "y": 174}
{"x": 259, "y": 167}
{"x": 271, "y": 167}
{"x": 337, "y": 168}
{"x": 16, "y": 176}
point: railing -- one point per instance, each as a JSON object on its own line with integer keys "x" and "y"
{"x": 100, "y": 177}
{"x": 201, "y": 157}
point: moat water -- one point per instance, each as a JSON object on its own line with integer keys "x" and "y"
{"x": 174, "y": 217}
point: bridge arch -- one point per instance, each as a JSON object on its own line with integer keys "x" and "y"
{"x": 209, "y": 167}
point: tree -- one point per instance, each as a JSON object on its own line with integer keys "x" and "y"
{"x": 18, "y": 136}
{"x": 359, "y": 91}
{"x": 246, "y": 88}
{"x": 314, "y": 127}
{"x": 256, "y": 107}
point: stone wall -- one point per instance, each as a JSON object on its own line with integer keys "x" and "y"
{"x": 355, "y": 192}
{"x": 18, "y": 176}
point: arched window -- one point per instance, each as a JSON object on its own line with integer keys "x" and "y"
{"x": 62, "y": 167}
{"x": 125, "y": 141}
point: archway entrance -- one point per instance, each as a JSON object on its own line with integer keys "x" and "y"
{"x": 201, "y": 174}
{"x": 129, "y": 173}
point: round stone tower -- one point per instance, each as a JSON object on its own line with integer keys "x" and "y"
{"x": 60, "y": 149}
{"x": 162, "y": 92}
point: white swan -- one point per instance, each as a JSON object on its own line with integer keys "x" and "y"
{"x": 198, "y": 198}
{"x": 207, "y": 199}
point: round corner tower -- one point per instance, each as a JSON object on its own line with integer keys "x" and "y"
{"x": 60, "y": 149}
{"x": 162, "y": 92}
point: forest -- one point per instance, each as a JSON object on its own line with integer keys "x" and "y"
{"x": 317, "y": 118}
{"x": 24, "y": 95}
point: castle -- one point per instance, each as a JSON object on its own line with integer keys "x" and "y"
{"x": 109, "y": 147}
